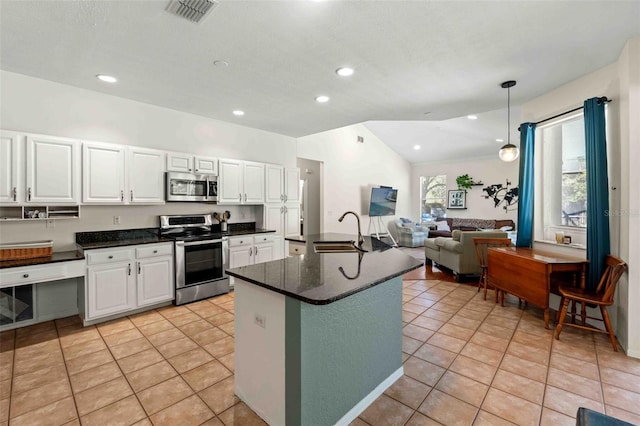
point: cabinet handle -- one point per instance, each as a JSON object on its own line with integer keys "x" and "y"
{"x": 245, "y": 197}
{"x": 286, "y": 209}
{"x": 286, "y": 197}
{"x": 29, "y": 194}
{"x": 256, "y": 250}
{"x": 189, "y": 169}
{"x": 281, "y": 209}
{"x": 196, "y": 170}
{"x": 281, "y": 197}
{"x": 121, "y": 195}
{"x": 250, "y": 251}
{"x": 25, "y": 276}
{"x": 155, "y": 251}
{"x": 131, "y": 195}
{"x": 129, "y": 272}
{"x": 111, "y": 257}
{"x": 15, "y": 194}
{"x": 240, "y": 197}
{"x": 139, "y": 269}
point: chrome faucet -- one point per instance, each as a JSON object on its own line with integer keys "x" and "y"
{"x": 360, "y": 237}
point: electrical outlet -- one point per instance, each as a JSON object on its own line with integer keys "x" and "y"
{"x": 116, "y": 220}
{"x": 51, "y": 224}
{"x": 261, "y": 320}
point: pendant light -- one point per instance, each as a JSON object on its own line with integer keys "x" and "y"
{"x": 508, "y": 152}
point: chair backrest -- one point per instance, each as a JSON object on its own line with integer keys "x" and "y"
{"x": 607, "y": 285}
{"x": 482, "y": 244}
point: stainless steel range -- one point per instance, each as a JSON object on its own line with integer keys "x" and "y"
{"x": 199, "y": 257}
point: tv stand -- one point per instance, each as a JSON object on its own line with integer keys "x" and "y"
{"x": 378, "y": 227}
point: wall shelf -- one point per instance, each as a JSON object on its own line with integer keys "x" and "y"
{"x": 22, "y": 213}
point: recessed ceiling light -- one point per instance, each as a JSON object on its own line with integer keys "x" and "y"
{"x": 472, "y": 117}
{"x": 322, "y": 99}
{"x": 106, "y": 78}
{"x": 221, "y": 63}
{"x": 344, "y": 71}
{"x": 499, "y": 140}
{"x": 238, "y": 112}
{"x": 416, "y": 147}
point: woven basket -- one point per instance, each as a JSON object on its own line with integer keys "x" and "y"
{"x": 17, "y": 251}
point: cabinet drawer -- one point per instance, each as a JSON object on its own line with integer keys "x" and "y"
{"x": 297, "y": 248}
{"x": 97, "y": 257}
{"x": 10, "y": 277}
{"x": 153, "y": 250}
{"x": 264, "y": 238}
{"x": 241, "y": 241}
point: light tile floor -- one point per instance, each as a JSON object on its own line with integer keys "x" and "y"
{"x": 467, "y": 361}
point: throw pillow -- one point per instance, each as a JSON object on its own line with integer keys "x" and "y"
{"x": 443, "y": 226}
{"x": 456, "y": 234}
{"x": 506, "y": 228}
{"x": 405, "y": 220}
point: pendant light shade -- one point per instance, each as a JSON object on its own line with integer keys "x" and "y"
{"x": 509, "y": 152}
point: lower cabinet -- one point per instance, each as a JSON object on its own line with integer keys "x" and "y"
{"x": 126, "y": 278}
{"x": 256, "y": 248}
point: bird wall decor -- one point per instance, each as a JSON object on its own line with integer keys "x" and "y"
{"x": 502, "y": 195}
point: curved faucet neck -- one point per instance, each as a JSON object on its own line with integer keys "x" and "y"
{"x": 360, "y": 237}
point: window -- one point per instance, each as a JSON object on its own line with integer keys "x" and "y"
{"x": 561, "y": 181}
{"x": 433, "y": 197}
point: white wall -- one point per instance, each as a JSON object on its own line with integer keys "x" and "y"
{"x": 311, "y": 172}
{"x": 621, "y": 82}
{"x": 486, "y": 170}
{"x": 351, "y": 169}
{"x": 33, "y": 105}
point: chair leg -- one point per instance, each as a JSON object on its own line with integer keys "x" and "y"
{"x": 607, "y": 325}
{"x": 502, "y": 298}
{"x": 583, "y": 313}
{"x": 573, "y": 312}
{"x": 563, "y": 314}
{"x": 480, "y": 283}
{"x": 559, "y": 309}
{"x": 486, "y": 284}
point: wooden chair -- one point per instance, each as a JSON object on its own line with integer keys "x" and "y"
{"x": 482, "y": 244}
{"x": 602, "y": 297}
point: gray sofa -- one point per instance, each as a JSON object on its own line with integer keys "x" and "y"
{"x": 458, "y": 252}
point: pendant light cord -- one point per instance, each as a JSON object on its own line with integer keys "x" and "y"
{"x": 509, "y": 115}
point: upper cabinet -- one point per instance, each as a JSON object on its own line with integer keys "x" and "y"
{"x": 240, "y": 182}
{"x": 10, "y": 168}
{"x": 282, "y": 184}
{"x": 116, "y": 174}
{"x": 188, "y": 163}
{"x": 53, "y": 170}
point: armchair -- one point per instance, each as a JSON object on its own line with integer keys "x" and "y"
{"x": 409, "y": 233}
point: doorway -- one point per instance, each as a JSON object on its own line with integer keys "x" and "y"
{"x": 310, "y": 196}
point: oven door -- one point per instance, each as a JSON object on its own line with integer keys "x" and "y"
{"x": 198, "y": 262}
{"x": 187, "y": 187}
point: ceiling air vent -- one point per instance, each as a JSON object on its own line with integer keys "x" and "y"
{"x": 193, "y": 10}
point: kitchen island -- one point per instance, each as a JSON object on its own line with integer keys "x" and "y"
{"x": 319, "y": 336}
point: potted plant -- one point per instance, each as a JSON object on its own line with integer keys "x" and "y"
{"x": 464, "y": 182}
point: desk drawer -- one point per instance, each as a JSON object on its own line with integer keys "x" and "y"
{"x": 10, "y": 277}
{"x": 97, "y": 257}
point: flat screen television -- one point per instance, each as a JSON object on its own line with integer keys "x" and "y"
{"x": 383, "y": 201}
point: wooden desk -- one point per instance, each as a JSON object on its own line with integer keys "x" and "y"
{"x": 527, "y": 273}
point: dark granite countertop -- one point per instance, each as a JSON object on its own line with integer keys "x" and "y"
{"x": 125, "y": 237}
{"x": 320, "y": 279}
{"x": 248, "y": 232}
{"x": 61, "y": 256}
{"x": 298, "y": 239}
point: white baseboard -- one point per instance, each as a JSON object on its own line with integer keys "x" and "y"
{"x": 367, "y": 400}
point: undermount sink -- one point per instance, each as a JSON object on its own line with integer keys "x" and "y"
{"x": 336, "y": 247}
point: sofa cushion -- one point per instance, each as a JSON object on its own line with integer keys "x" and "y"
{"x": 440, "y": 241}
{"x": 443, "y": 226}
{"x": 472, "y": 224}
{"x": 453, "y": 246}
{"x": 431, "y": 243}
{"x": 456, "y": 234}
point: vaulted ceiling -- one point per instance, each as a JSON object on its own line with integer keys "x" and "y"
{"x": 416, "y": 61}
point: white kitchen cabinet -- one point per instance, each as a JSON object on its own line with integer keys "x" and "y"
{"x": 188, "y": 163}
{"x": 10, "y": 168}
{"x": 117, "y": 174}
{"x": 103, "y": 173}
{"x": 241, "y": 182}
{"x": 251, "y": 249}
{"x": 53, "y": 170}
{"x": 282, "y": 184}
{"x": 122, "y": 279}
{"x": 284, "y": 219}
{"x": 145, "y": 173}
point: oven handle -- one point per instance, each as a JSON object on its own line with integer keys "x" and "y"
{"x": 197, "y": 243}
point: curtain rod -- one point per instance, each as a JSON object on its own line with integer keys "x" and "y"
{"x": 600, "y": 100}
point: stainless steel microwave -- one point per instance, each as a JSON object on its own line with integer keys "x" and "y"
{"x": 192, "y": 187}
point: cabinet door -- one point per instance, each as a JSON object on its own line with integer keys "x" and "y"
{"x": 146, "y": 176}
{"x": 179, "y": 162}
{"x": 111, "y": 289}
{"x": 264, "y": 252}
{"x": 253, "y": 183}
{"x": 240, "y": 256}
{"x": 292, "y": 185}
{"x": 103, "y": 173}
{"x": 230, "y": 182}
{"x": 274, "y": 184}
{"x": 155, "y": 280}
{"x": 292, "y": 221}
{"x": 9, "y": 168}
{"x": 274, "y": 217}
{"x": 278, "y": 248}
{"x": 53, "y": 166}
{"x": 205, "y": 165}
